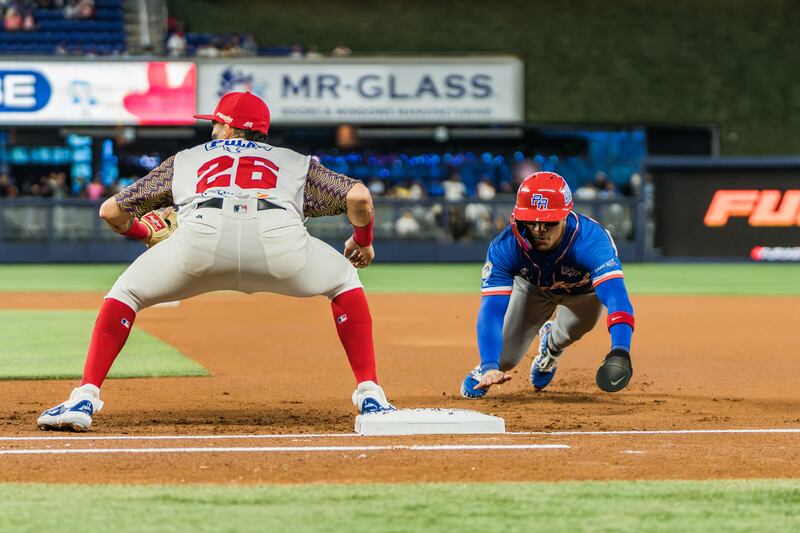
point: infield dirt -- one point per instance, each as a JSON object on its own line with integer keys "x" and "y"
{"x": 277, "y": 368}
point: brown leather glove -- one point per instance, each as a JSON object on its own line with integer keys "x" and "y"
{"x": 161, "y": 223}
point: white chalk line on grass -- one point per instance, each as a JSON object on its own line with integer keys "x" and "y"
{"x": 339, "y": 435}
{"x": 286, "y": 449}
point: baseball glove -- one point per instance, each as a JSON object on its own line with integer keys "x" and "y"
{"x": 162, "y": 224}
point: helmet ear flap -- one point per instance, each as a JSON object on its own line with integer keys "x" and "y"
{"x": 518, "y": 227}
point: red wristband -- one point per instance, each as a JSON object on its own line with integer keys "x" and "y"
{"x": 363, "y": 235}
{"x": 620, "y": 317}
{"x": 137, "y": 230}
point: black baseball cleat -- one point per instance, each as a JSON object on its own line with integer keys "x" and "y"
{"x": 615, "y": 372}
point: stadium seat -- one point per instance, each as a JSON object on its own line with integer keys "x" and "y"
{"x": 102, "y": 34}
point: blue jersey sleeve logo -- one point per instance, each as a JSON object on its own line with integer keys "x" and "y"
{"x": 487, "y": 271}
{"x": 497, "y": 275}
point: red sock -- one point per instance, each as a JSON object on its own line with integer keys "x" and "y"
{"x": 111, "y": 330}
{"x": 354, "y": 325}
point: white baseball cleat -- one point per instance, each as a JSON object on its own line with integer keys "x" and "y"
{"x": 370, "y": 398}
{"x": 544, "y": 366}
{"x": 76, "y": 413}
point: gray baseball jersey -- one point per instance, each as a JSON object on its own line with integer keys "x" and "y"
{"x": 240, "y": 228}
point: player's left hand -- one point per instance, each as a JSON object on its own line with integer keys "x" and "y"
{"x": 492, "y": 377}
{"x": 615, "y": 372}
{"x": 359, "y": 256}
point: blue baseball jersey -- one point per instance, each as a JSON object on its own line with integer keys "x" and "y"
{"x": 585, "y": 258}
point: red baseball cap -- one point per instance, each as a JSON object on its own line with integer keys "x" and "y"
{"x": 244, "y": 111}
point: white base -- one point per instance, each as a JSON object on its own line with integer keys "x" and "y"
{"x": 429, "y": 422}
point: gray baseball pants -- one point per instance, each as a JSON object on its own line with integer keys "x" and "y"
{"x": 238, "y": 248}
{"x": 530, "y": 307}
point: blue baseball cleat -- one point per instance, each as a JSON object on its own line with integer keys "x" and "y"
{"x": 544, "y": 366}
{"x": 468, "y": 386}
{"x": 370, "y": 398}
{"x": 76, "y": 413}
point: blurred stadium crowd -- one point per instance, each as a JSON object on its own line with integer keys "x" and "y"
{"x": 452, "y": 177}
{"x": 96, "y": 27}
{"x": 62, "y": 27}
{"x": 182, "y": 43}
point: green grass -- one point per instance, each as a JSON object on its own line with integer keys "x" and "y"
{"x": 656, "y": 278}
{"x": 731, "y": 279}
{"x": 53, "y": 344}
{"x": 747, "y": 505}
{"x": 58, "y": 278}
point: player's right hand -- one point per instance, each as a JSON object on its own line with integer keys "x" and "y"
{"x": 359, "y": 256}
{"x": 492, "y": 377}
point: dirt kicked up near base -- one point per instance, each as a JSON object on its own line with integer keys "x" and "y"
{"x": 277, "y": 368}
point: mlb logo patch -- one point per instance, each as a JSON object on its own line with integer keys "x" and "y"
{"x": 341, "y": 319}
{"x": 125, "y": 323}
{"x": 539, "y": 202}
{"x": 240, "y": 208}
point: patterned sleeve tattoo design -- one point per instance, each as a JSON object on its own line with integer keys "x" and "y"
{"x": 153, "y": 191}
{"x": 325, "y": 192}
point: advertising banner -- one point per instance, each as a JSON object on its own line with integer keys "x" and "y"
{"x": 97, "y": 93}
{"x": 375, "y": 91}
{"x": 732, "y": 211}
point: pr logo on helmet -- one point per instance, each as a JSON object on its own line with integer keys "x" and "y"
{"x": 539, "y": 202}
{"x": 567, "y": 194}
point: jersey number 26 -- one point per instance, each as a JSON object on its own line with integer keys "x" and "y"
{"x": 251, "y": 173}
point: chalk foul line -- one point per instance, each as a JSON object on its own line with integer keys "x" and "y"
{"x": 289, "y": 449}
{"x": 72, "y": 437}
{"x": 657, "y": 432}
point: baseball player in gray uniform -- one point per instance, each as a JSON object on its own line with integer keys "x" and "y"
{"x": 239, "y": 226}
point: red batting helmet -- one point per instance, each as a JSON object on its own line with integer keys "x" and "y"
{"x": 543, "y": 197}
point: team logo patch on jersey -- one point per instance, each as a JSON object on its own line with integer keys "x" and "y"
{"x": 569, "y": 271}
{"x": 487, "y": 270}
{"x": 539, "y": 202}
